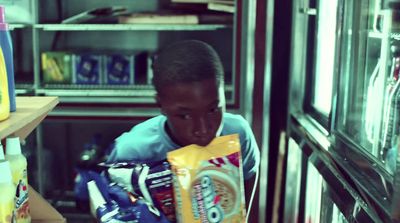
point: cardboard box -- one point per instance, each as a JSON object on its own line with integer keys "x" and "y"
{"x": 87, "y": 69}
{"x": 41, "y": 210}
{"x": 57, "y": 67}
{"x": 119, "y": 69}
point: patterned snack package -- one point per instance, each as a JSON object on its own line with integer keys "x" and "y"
{"x": 208, "y": 182}
{"x": 150, "y": 180}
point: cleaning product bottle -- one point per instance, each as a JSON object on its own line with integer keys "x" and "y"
{"x": 6, "y": 46}
{"x": 7, "y": 193}
{"x": 2, "y": 158}
{"x": 19, "y": 173}
{"x": 4, "y": 99}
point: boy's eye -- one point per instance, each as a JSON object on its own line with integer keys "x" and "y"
{"x": 185, "y": 116}
{"x": 214, "y": 110}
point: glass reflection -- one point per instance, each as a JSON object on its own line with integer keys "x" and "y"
{"x": 325, "y": 54}
{"x": 369, "y": 91}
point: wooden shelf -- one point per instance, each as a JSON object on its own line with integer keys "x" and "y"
{"x": 30, "y": 112}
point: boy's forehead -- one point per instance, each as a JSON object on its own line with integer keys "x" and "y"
{"x": 206, "y": 90}
{"x": 189, "y": 86}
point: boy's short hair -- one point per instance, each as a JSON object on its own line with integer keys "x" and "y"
{"x": 185, "y": 62}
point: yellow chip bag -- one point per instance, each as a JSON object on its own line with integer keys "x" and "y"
{"x": 208, "y": 181}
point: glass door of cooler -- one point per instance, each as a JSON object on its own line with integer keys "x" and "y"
{"x": 345, "y": 103}
{"x": 366, "y": 105}
{"x": 366, "y": 126}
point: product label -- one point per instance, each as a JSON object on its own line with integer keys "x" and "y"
{"x": 207, "y": 202}
{"x": 21, "y": 200}
{"x": 119, "y": 69}
{"x": 152, "y": 181}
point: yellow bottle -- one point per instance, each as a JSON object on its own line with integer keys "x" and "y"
{"x": 19, "y": 173}
{"x": 4, "y": 97}
{"x": 7, "y": 193}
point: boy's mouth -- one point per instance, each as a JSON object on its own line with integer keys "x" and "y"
{"x": 203, "y": 141}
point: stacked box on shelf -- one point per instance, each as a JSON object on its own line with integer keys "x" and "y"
{"x": 94, "y": 68}
{"x": 87, "y": 68}
{"x": 119, "y": 69}
{"x": 57, "y": 67}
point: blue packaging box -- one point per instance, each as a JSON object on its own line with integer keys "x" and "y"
{"x": 119, "y": 69}
{"x": 87, "y": 69}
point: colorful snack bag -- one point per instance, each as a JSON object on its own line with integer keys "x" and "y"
{"x": 208, "y": 182}
{"x": 111, "y": 203}
{"x": 152, "y": 181}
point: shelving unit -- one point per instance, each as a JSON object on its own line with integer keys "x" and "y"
{"x": 47, "y": 33}
{"x": 30, "y": 112}
{"x": 108, "y": 93}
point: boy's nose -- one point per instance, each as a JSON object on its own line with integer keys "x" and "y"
{"x": 201, "y": 128}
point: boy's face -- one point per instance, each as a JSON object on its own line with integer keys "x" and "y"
{"x": 193, "y": 111}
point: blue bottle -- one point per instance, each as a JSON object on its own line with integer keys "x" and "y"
{"x": 6, "y": 46}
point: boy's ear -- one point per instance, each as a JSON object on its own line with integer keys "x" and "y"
{"x": 158, "y": 100}
{"x": 159, "y": 104}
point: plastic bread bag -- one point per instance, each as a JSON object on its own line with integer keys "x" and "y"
{"x": 111, "y": 203}
{"x": 208, "y": 181}
{"x": 150, "y": 180}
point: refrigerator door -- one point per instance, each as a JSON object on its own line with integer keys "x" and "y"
{"x": 368, "y": 102}
{"x": 367, "y": 126}
{"x": 356, "y": 151}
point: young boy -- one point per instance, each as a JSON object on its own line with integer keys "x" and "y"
{"x": 188, "y": 78}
